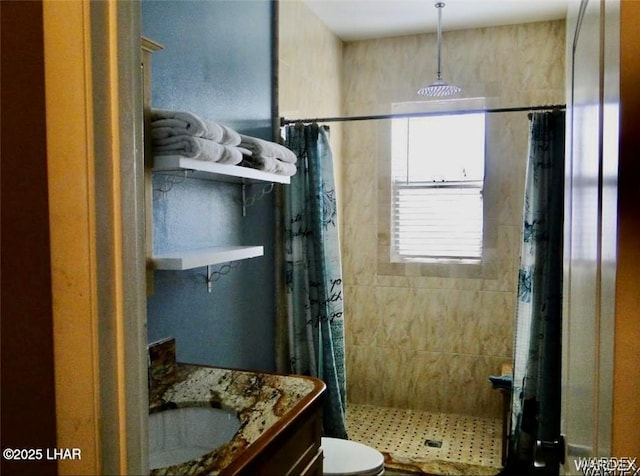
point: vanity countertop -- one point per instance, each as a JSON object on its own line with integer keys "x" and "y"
{"x": 265, "y": 404}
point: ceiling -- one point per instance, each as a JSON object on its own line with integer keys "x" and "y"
{"x": 366, "y": 19}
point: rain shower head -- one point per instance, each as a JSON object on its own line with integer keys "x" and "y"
{"x": 439, "y": 88}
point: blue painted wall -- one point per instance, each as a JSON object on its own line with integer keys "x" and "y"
{"x": 217, "y": 64}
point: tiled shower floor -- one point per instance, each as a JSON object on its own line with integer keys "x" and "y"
{"x": 428, "y": 443}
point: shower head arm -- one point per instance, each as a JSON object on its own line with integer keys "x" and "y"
{"x": 439, "y": 87}
{"x": 439, "y": 6}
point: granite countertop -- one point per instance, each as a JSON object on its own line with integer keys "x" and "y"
{"x": 262, "y": 402}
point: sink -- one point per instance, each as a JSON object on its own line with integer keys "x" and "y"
{"x": 184, "y": 434}
{"x": 279, "y": 414}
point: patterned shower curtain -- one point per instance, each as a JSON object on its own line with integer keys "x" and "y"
{"x": 537, "y": 347}
{"x": 313, "y": 272}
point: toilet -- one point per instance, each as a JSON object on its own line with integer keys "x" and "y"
{"x": 350, "y": 458}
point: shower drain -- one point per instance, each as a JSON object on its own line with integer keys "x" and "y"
{"x": 433, "y": 443}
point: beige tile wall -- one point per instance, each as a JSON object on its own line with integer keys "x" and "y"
{"x": 427, "y": 337}
{"x": 310, "y": 71}
{"x": 418, "y": 336}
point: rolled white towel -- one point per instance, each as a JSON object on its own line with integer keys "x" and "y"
{"x": 267, "y": 149}
{"x": 198, "y": 148}
{"x": 270, "y": 165}
{"x": 165, "y": 122}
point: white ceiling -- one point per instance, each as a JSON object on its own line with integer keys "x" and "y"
{"x": 366, "y": 19}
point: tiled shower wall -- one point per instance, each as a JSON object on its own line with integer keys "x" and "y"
{"x": 418, "y": 336}
{"x": 310, "y": 70}
{"x": 427, "y": 337}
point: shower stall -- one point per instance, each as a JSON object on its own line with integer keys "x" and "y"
{"x": 423, "y": 338}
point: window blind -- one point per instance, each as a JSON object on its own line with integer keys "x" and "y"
{"x": 437, "y": 220}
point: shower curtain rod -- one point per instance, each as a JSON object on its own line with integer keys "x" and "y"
{"x": 284, "y": 122}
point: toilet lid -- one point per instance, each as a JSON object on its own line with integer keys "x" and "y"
{"x": 346, "y": 457}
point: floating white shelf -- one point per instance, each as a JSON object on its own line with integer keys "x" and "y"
{"x": 214, "y": 171}
{"x": 189, "y": 259}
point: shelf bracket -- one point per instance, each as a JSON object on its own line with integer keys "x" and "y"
{"x": 244, "y": 199}
{"x": 248, "y": 201}
{"x": 170, "y": 179}
{"x": 214, "y": 275}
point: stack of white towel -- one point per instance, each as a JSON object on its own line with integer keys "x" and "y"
{"x": 268, "y": 156}
{"x": 187, "y": 135}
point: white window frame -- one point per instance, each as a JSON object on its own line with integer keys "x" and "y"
{"x": 432, "y": 200}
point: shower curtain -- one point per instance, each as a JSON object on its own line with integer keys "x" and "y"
{"x": 313, "y": 274}
{"x": 537, "y": 347}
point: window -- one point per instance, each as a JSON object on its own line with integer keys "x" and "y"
{"x": 437, "y": 183}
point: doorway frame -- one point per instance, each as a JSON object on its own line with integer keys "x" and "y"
{"x": 96, "y": 205}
